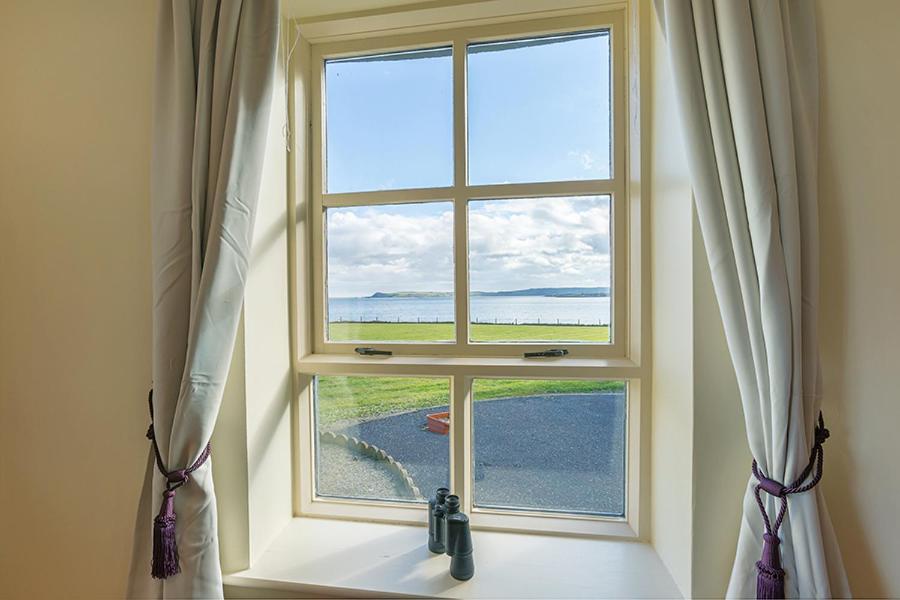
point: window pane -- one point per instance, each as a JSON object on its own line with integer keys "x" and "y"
{"x": 389, "y": 121}
{"x": 550, "y": 445}
{"x": 373, "y": 442}
{"x": 540, "y": 270}
{"x": 390, "y": 273}
{"x": 539, "y": 109}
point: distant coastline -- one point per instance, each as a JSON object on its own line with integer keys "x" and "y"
{"x": 559, "y": 306}
{"x": 563, "y": 292}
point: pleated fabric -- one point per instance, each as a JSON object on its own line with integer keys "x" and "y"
{"x": 215, "y": 64}
{"x": 746, "y": 81}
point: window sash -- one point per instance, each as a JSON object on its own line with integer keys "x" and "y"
{"x": 461, "y": 452}
{"x": 460, "y": 192}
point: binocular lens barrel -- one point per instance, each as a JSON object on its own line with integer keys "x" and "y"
{"x": 449, "y": 531}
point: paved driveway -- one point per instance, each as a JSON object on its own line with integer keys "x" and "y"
{"x": 561, "y": 451}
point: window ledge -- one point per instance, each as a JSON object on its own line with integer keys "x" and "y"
{"x": 323, "y": 557}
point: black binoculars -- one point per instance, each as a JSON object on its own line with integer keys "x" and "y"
{"x": 448, "y": 531}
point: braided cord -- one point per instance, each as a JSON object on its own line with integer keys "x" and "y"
{"x": 174, "y": 479}
{"x": 774, "y": 488}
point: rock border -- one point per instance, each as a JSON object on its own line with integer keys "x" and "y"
{"x": 367, "y": 449}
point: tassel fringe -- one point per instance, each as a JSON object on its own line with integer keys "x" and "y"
{"x": 770, "y": 576}
{"x": 165, "y": 550}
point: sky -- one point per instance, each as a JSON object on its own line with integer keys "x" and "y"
{"x": 536, "y": 112}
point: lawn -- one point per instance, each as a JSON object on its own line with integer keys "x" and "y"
{"x": 361, "y": 398}
{"x": 481, "y": 332}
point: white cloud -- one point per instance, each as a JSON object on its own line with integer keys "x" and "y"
{"x": 513, "y": 244}
{"x": 559, "y": 242}
{"x": 586, "y": 159}
{"x": 390, "y": 249}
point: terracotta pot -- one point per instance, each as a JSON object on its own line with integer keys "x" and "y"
{"x": 438, "y": 423}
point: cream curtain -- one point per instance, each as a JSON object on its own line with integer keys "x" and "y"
{"x": 747, "y": 87}
{"x": 214, "y": 72}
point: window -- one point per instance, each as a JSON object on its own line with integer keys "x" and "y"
{"x": 469, "y": 278}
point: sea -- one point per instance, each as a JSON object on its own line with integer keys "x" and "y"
{"x": 483, "y": 309}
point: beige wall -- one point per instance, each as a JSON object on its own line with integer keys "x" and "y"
{"x": 74, "y": 291}
{"x": 859, "y": 46}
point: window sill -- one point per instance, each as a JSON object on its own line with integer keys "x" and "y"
{"x": 331, "y": 558}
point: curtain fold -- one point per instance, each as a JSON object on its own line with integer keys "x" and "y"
{"x": 214, "y": 75}
{"x": 746, "y": 84}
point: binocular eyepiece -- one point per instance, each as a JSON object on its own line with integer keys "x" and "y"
{"x": 449, "y": 532}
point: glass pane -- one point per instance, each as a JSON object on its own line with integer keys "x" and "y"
{"x": 540, "y": 270}
{"x": 374, "y": 441}
{"x": 390, "y": 273}
{"x": 389, "y": 121}
{"x": 550, "y": 445}
{"x": 539, "y": 109}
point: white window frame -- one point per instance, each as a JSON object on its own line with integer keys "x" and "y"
{"x": 460, "y": 192}
{"x": 462, "y": 362}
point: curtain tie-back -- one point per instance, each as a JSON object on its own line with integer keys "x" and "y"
{"x": 770, "y": 575}
{"x": 165, "y": 550}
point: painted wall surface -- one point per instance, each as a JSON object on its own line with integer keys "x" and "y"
{"x": 672, "y": 323}
{"x": 859, "y": 199}
{"x": 75, "y": 282}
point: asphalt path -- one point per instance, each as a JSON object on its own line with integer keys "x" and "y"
{"x": 558, "y": 452}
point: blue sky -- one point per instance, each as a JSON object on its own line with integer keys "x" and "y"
{"x": 536, "y": 112}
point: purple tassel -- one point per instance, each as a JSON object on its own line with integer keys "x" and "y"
{"x": 165, "y": 552}
{"x": 770, "y": 579}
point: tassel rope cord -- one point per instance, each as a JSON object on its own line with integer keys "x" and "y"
{"x": 165, "y": 551}
{"x": 770, "y": 575}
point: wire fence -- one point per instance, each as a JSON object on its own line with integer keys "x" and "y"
{"x": 436, "y": 320}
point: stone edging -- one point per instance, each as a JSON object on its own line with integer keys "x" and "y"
{"x": 375, "y": 452}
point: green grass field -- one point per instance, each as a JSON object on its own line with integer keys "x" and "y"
{"x": 481, "y": 332}
{"x": 361, "y": 398}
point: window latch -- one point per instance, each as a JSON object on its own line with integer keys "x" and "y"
{"x": 365, "y": 351}
{"x": 552, "y": 353}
